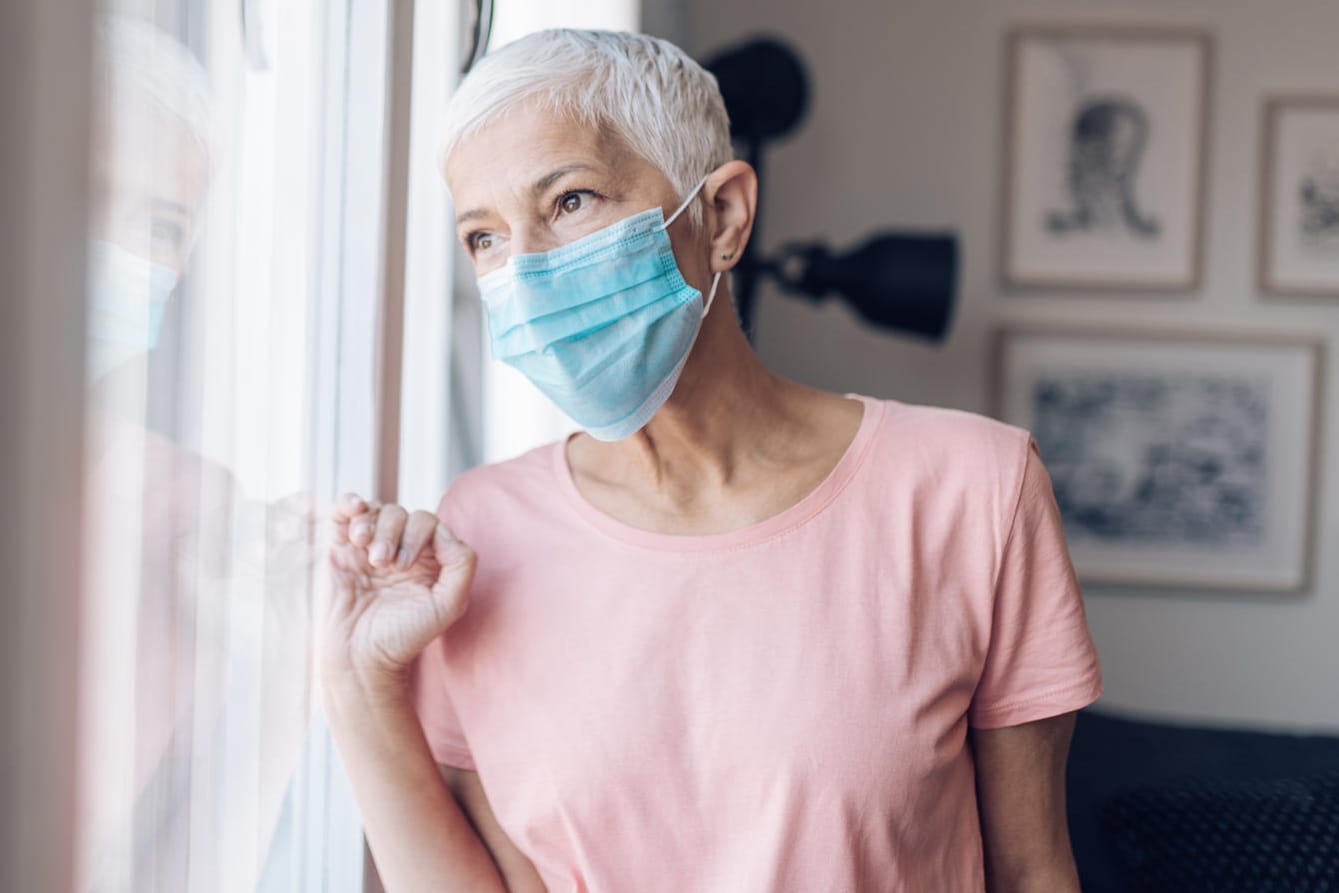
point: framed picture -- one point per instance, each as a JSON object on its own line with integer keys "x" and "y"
{"x": 1299, "y": 234}
{"x": 1176, "y": 460}
{"x": 1104, "y": 157}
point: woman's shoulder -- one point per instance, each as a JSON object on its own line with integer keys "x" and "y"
{"x": 949, "y": 442}
{"x": 525, "y": 477}
{"x": 940, "y": 427}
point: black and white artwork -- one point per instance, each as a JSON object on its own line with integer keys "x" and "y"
{"x": 1173, "y": 461}
{"x": 1143, "y": 458}
{"x": 1104, "y": 158}
{"x": 1318, "y": 193}
{"x": 1300, "y": 235}
{"x": 1107, "y": 140}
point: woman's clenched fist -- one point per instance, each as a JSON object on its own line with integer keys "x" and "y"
{"x": 398, "y": 580}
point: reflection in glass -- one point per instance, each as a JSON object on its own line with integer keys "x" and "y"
{"x": 195, "y": 629}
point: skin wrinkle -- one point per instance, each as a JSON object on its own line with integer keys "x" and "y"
{"x": 540, "y": 186}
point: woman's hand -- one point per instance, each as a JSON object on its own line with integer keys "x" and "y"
{"x": 398, "y": 580}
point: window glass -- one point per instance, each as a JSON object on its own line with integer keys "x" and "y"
{"x": 232, "y": 251}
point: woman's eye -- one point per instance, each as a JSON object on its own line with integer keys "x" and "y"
{"x": 167, "y": 231}
{"x": 481, "y": 241}
{"x": 571, "y": 202}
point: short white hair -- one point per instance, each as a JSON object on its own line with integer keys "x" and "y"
{"x": 138, "y": 62}
{"x": 643, "y": 90}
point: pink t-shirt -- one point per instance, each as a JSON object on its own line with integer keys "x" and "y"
{"x": 782, "y": 707}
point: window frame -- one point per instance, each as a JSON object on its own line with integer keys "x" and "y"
{"x": 361, "y": 257}
{"x": 45, "y": 101}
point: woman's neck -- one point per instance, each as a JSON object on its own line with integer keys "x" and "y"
{"x": 724, "y": 408}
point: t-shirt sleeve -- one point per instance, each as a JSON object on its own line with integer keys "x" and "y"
{"x": 432, "y": 701}
{"x": 432, "y": 698}
{"x": 1041, "y": 660}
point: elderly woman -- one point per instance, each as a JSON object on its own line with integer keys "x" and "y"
{"x": 738, "y": 634}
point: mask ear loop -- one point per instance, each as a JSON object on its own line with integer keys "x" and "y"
{"x": 711, "y": 296}
{"x": 686, "y": 202}
{"x": 715, "y": 280}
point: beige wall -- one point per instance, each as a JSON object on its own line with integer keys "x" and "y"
{"x": 904, "y": 130}
{"x": 45, "y": 83}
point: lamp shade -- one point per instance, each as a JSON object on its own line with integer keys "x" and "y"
{"x": 764, "y": 87}
{"x": 903, "y": 282}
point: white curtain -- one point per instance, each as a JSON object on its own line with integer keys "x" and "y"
{"x": 238, "y": 248}
{"x": 233, "y": 283}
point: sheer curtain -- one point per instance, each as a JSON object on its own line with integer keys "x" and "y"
{"x": 273, "y": 318}
{"x": 236, "y": 255}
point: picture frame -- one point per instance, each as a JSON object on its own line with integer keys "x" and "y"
{"x": 1105, "y": 157}
{"x": 1299, "y": 196}
{"x": 1182, "y": 459}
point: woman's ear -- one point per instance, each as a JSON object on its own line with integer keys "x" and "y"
{"x": 732, "y": 194}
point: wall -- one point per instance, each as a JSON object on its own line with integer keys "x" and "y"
{"x": 45, "y": 87}
{"x": 904, "y": 130}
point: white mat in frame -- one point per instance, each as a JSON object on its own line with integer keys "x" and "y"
{"x": 1183, "y": 459}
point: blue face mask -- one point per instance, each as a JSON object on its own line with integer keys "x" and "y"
{"x": 602, "y": 325}
{"x": 127, "y": 297}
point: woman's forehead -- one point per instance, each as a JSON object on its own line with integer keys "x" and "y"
{"x": 530, "y": 145}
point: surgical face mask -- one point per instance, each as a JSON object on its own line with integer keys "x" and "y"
{"x": 602, "y": 325}
{"x": 127, "y": 297}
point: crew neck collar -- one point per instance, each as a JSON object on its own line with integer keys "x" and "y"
{"x": 787, "y": 519}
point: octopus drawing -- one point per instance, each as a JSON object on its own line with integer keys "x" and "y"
{"x": 1108, "y": 137}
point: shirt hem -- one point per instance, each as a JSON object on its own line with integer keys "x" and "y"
{"x": 449, "y": 755}
{"x": 1049, "y": 703}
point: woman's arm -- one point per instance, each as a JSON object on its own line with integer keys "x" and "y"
{"x": 1020, "y": 785}
{"x": 418, "y": 835}
{"x": 517, "y": 870}
{"x": 398, "y": 581}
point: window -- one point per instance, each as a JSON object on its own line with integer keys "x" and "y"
{"x": 272, "y": 320}
{"x": 238, "y": 265}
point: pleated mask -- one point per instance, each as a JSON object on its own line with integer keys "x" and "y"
{"x": 602, "y": 325}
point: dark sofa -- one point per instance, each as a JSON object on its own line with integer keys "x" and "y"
{"x": 1157, "y": 807}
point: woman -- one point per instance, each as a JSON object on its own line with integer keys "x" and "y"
{"x": 738, "y": 635}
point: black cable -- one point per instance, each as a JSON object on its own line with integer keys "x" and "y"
{"x": 481, "y": 32}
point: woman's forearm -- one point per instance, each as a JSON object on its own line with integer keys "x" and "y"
{"x": 418, "y": 835}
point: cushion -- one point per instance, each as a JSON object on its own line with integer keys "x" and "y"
{"x": 1229, "y": 835}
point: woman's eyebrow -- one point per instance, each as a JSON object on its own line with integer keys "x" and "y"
{"x": 170, "y": 206}
{"x": 556, "y": 174}
{"x": 469, "y": 215}
{"x": 537, "y": 188}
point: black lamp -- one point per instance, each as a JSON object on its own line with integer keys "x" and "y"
{"x": 904, "y": 282}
